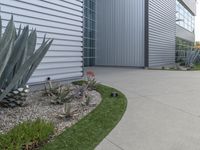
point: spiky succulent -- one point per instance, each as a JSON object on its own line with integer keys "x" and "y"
{"x": 18, "y": 56}
{"x": 192, "y": 57}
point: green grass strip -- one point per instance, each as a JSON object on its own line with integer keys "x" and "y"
{"x": 196, "y": 67}
{"x": 91, "y": 130}
{"x": 25, "y": 134}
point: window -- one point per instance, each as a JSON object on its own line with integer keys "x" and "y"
{"x": 182, "y": 46}
{"x": 89, "y": 32}
{"x": 184, "y": 18}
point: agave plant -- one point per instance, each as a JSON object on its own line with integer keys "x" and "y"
{"x": 192, "y": 57}
{"x": 18, "y": 59}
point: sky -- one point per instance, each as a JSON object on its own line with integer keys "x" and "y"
{"x": 197, "y": 23}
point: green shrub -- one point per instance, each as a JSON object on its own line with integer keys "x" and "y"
{"x": 26, "y": 135}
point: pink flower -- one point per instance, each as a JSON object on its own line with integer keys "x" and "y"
{"x": 90, "y": 74}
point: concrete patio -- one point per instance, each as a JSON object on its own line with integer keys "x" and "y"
{"x": 163, "y": 110}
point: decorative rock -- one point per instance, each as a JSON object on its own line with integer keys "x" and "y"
{"x": 15, "y": 92}
{"x": 23, "y": 94}
{"x": 21, "y": 89}
{"x": 92, "y": 104}
{"x": 27, "y": 90}
{"x": 11, "y": 99}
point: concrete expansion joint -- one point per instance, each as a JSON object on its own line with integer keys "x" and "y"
{"x": 114, "y": 144}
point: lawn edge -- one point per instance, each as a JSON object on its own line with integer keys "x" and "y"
{"x": 90, "y": 115}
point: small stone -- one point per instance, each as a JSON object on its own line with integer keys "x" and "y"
{"x": 23, "y": 94}
{"x": 11, "y": 99}
{"x": 26, "y": 91}
{"x": 9, "y": 94}
{"x": 12, "y": 105}
{"x": 21, "y": 89}
{"x": 19, "y": 103}
{"x": 15, "y": 92}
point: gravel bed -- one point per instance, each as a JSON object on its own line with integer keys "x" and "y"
{"x": 40, "y": 106}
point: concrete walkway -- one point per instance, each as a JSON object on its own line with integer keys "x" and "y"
{"x": 163, "y": 109}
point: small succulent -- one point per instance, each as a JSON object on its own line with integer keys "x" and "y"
{"x": 60, "y": 94}
{"x": 88, "y": 100}
{"x": 79, "y": 91}
{"x": 191, "y": 57}
{"x": 67, "y": 110}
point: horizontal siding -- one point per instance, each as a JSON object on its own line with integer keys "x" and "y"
{"x": 120, "y": 33}
{"x": 162, "y": 32}
{"x": 61, "y": 20}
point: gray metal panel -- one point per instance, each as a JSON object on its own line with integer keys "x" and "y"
{"x": 184, "y": 34}
{"x": 162, "y": 31}
{"x": 61, "y": 20}
{"x": 120, "y": 33}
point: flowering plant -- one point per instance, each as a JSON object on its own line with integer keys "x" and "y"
{"x": 91, "y": 80}
{"x": 90, "y": 74}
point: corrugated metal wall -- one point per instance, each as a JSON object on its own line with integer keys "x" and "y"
{"x": 61, "y": 20}
{"x": 162, "y": 32}
{"x": 120, "y": 32}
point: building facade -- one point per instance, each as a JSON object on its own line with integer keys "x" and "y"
{"x": 142, "y": 33}
{"x": 132, "y": 33}
{"x": 185, "y": 27}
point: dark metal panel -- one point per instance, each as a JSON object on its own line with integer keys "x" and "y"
{"x": 146, "y": 57}
{"x": 120, "y": 32}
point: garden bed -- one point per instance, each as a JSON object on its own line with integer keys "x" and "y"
{"x": 83, "y": 131}
{"x": 40, "y": 106}
{"x": 92, "y": 129}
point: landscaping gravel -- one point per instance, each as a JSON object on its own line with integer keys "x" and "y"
{"x": 40, "y": 106}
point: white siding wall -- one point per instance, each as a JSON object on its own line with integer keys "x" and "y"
{"x": 61, "y": 20}
{"x": 162, "y": 32}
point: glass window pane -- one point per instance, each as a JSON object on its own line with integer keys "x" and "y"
{"x": 184, "y": 18}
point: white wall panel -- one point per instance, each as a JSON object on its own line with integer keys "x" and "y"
{"x": 59, "y": 19}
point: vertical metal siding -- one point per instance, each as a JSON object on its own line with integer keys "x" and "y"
{"x": 120, "y": 33}
{"x": 162, "y": 32}
{"x": 61, "y": 20}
